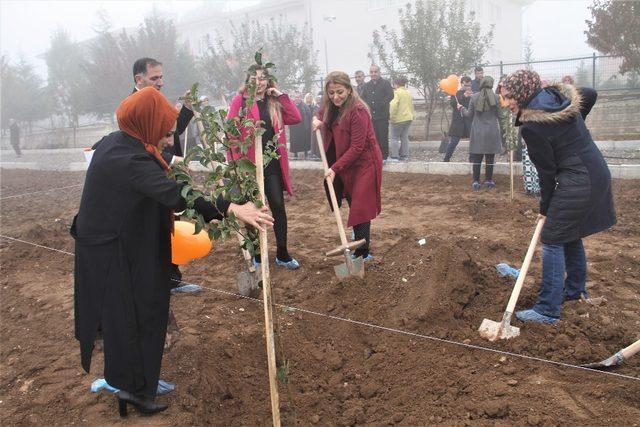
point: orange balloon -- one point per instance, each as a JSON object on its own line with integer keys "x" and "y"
{"x": 186, "y": 246}
{"x": 450, "y": 84}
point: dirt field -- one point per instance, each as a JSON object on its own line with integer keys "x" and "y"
{"x": 340, "y": 373}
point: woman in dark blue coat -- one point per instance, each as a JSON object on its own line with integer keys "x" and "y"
{"x": 575, "y": 184}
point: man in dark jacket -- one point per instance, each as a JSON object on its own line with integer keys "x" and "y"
{"x": 378, "y": 93}
{"x": 575, "y": 184}
{"x": 460, "y": 125}
{"x": 148, "y": 72}
{"x": 14, "y": 132}
{"x": 479, "y": 75}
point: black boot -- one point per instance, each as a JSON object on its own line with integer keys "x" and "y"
{"x": 144, "y": 404}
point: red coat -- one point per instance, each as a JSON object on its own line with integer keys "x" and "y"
{"x": 290, "y": 116}
{"x": 358, "y": 162}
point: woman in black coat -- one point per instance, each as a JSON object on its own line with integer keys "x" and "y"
{"x": 300, "y": 134}
{"x": 123, "y": 248}
{"x": 575, "y": 184}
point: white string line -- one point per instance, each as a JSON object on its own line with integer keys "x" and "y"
{"x": 383, "y": 328}
{"x": 40, "y": 191}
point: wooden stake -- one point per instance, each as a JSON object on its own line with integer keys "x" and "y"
{"x": 511, "y": 174}
{"x": 266, "y": 286}
{"x": 266, "y": 294}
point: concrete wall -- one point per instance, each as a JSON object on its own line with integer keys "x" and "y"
{"x": 616, "y": 115}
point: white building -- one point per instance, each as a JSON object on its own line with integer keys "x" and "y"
{"x": 342, "y": 29}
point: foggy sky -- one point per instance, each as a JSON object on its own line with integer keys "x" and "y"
{"x": 555, "y": 27}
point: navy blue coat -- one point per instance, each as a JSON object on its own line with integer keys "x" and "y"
{"x": 575, "y": 183}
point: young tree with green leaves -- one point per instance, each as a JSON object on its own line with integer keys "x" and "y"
{"x": 291, "y": 47}
{"x": 436, "y": 38}
{"x": 613, "y": 30}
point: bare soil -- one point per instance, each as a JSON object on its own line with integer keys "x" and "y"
{"x": 339, "y": 373}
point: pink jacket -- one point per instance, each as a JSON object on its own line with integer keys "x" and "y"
{"x": 290, "y": 116}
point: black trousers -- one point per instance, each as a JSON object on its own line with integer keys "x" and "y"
{"x": 476, "y": 160}
{"x": 361, "y": 231}
{"x": 381, "y": 129}
{"x": 274, "y": 191}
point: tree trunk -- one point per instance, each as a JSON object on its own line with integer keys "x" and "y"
{"x": 429, "y": 104}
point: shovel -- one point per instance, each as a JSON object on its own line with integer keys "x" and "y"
{"x": 351, "y": 267}
{"x": 248, "y": 280}
{"x": 493, "y": 330}
{"x": 617, "y": 359}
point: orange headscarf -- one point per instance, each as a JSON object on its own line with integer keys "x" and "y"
{"x": 147, "y": 116}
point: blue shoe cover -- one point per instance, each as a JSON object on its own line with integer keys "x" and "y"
{"x": 187, "y": 289}
{"x": 164, "y": 387}
{"x": 533, "y": 316}
{"x": 506, "y": 270}
{"x": 289, "y": 265}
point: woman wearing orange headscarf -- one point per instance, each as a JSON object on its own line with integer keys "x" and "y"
{"x": 123, "y": 251}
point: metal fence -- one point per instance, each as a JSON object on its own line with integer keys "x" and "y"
{"x": 600, "y": 72}
{"x": 597, "y": 71}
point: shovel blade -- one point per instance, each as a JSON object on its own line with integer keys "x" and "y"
{"x": 353, "y": 267}
{"x": 492, "y": 330}
{"x": 248, "y": 284}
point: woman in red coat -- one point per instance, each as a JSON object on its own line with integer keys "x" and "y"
{"x": 354, "y": 156}
{"x": 276, "y": 110}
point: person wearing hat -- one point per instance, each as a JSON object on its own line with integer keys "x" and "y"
{"x": 123, "y": 248}
{"x": 575, "y": 184}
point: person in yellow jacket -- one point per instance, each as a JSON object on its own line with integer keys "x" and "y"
{"x": 401, "y": 116}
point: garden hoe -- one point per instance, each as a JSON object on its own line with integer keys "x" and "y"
{"x": 351, "y": 266}
{"x": 493, "y": 330}
{"x": 617, "y": 359}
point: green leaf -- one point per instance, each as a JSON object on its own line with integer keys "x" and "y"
{"x": 258, "y": 57}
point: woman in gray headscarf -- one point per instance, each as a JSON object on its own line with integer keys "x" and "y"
{"x": 484, "y": 140}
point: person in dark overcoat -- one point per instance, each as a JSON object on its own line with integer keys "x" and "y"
{"x": 460, "y": 125}
{"x": 353, "y": 154}
{"x": 377, "y": 93}
{"x": 300, "y": 133}
{"x": 575, "y": 184}
{"x": 14, "y": 135}
{"x": 123, "y": 249}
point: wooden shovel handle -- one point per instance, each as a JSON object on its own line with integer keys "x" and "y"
{"x": 525, "y": 266}
{"x": 332, "y": 191}
{"x": 629, "y": 351}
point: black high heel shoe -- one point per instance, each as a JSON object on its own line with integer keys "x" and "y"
{"x": 144, "y": 405}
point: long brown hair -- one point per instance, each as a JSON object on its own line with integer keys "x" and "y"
{"x": 274, "y": 105}
{"x": 340, "y": 78}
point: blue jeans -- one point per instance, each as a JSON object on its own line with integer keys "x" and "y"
{"x": 564, "y": 276}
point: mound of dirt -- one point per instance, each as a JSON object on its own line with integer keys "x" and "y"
{"x": 351, "y": 352}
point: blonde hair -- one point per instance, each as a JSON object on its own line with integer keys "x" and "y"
{"x": 340, "y": 78}
{"x": 310, "y": 96}
{"x": 273, "y": 104}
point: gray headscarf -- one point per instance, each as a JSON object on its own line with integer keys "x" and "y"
{"x": 487, "y": 98}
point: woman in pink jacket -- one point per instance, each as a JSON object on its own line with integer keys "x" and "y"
{"x": 276, "y": 110}
{"x": 353, "y": 154}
